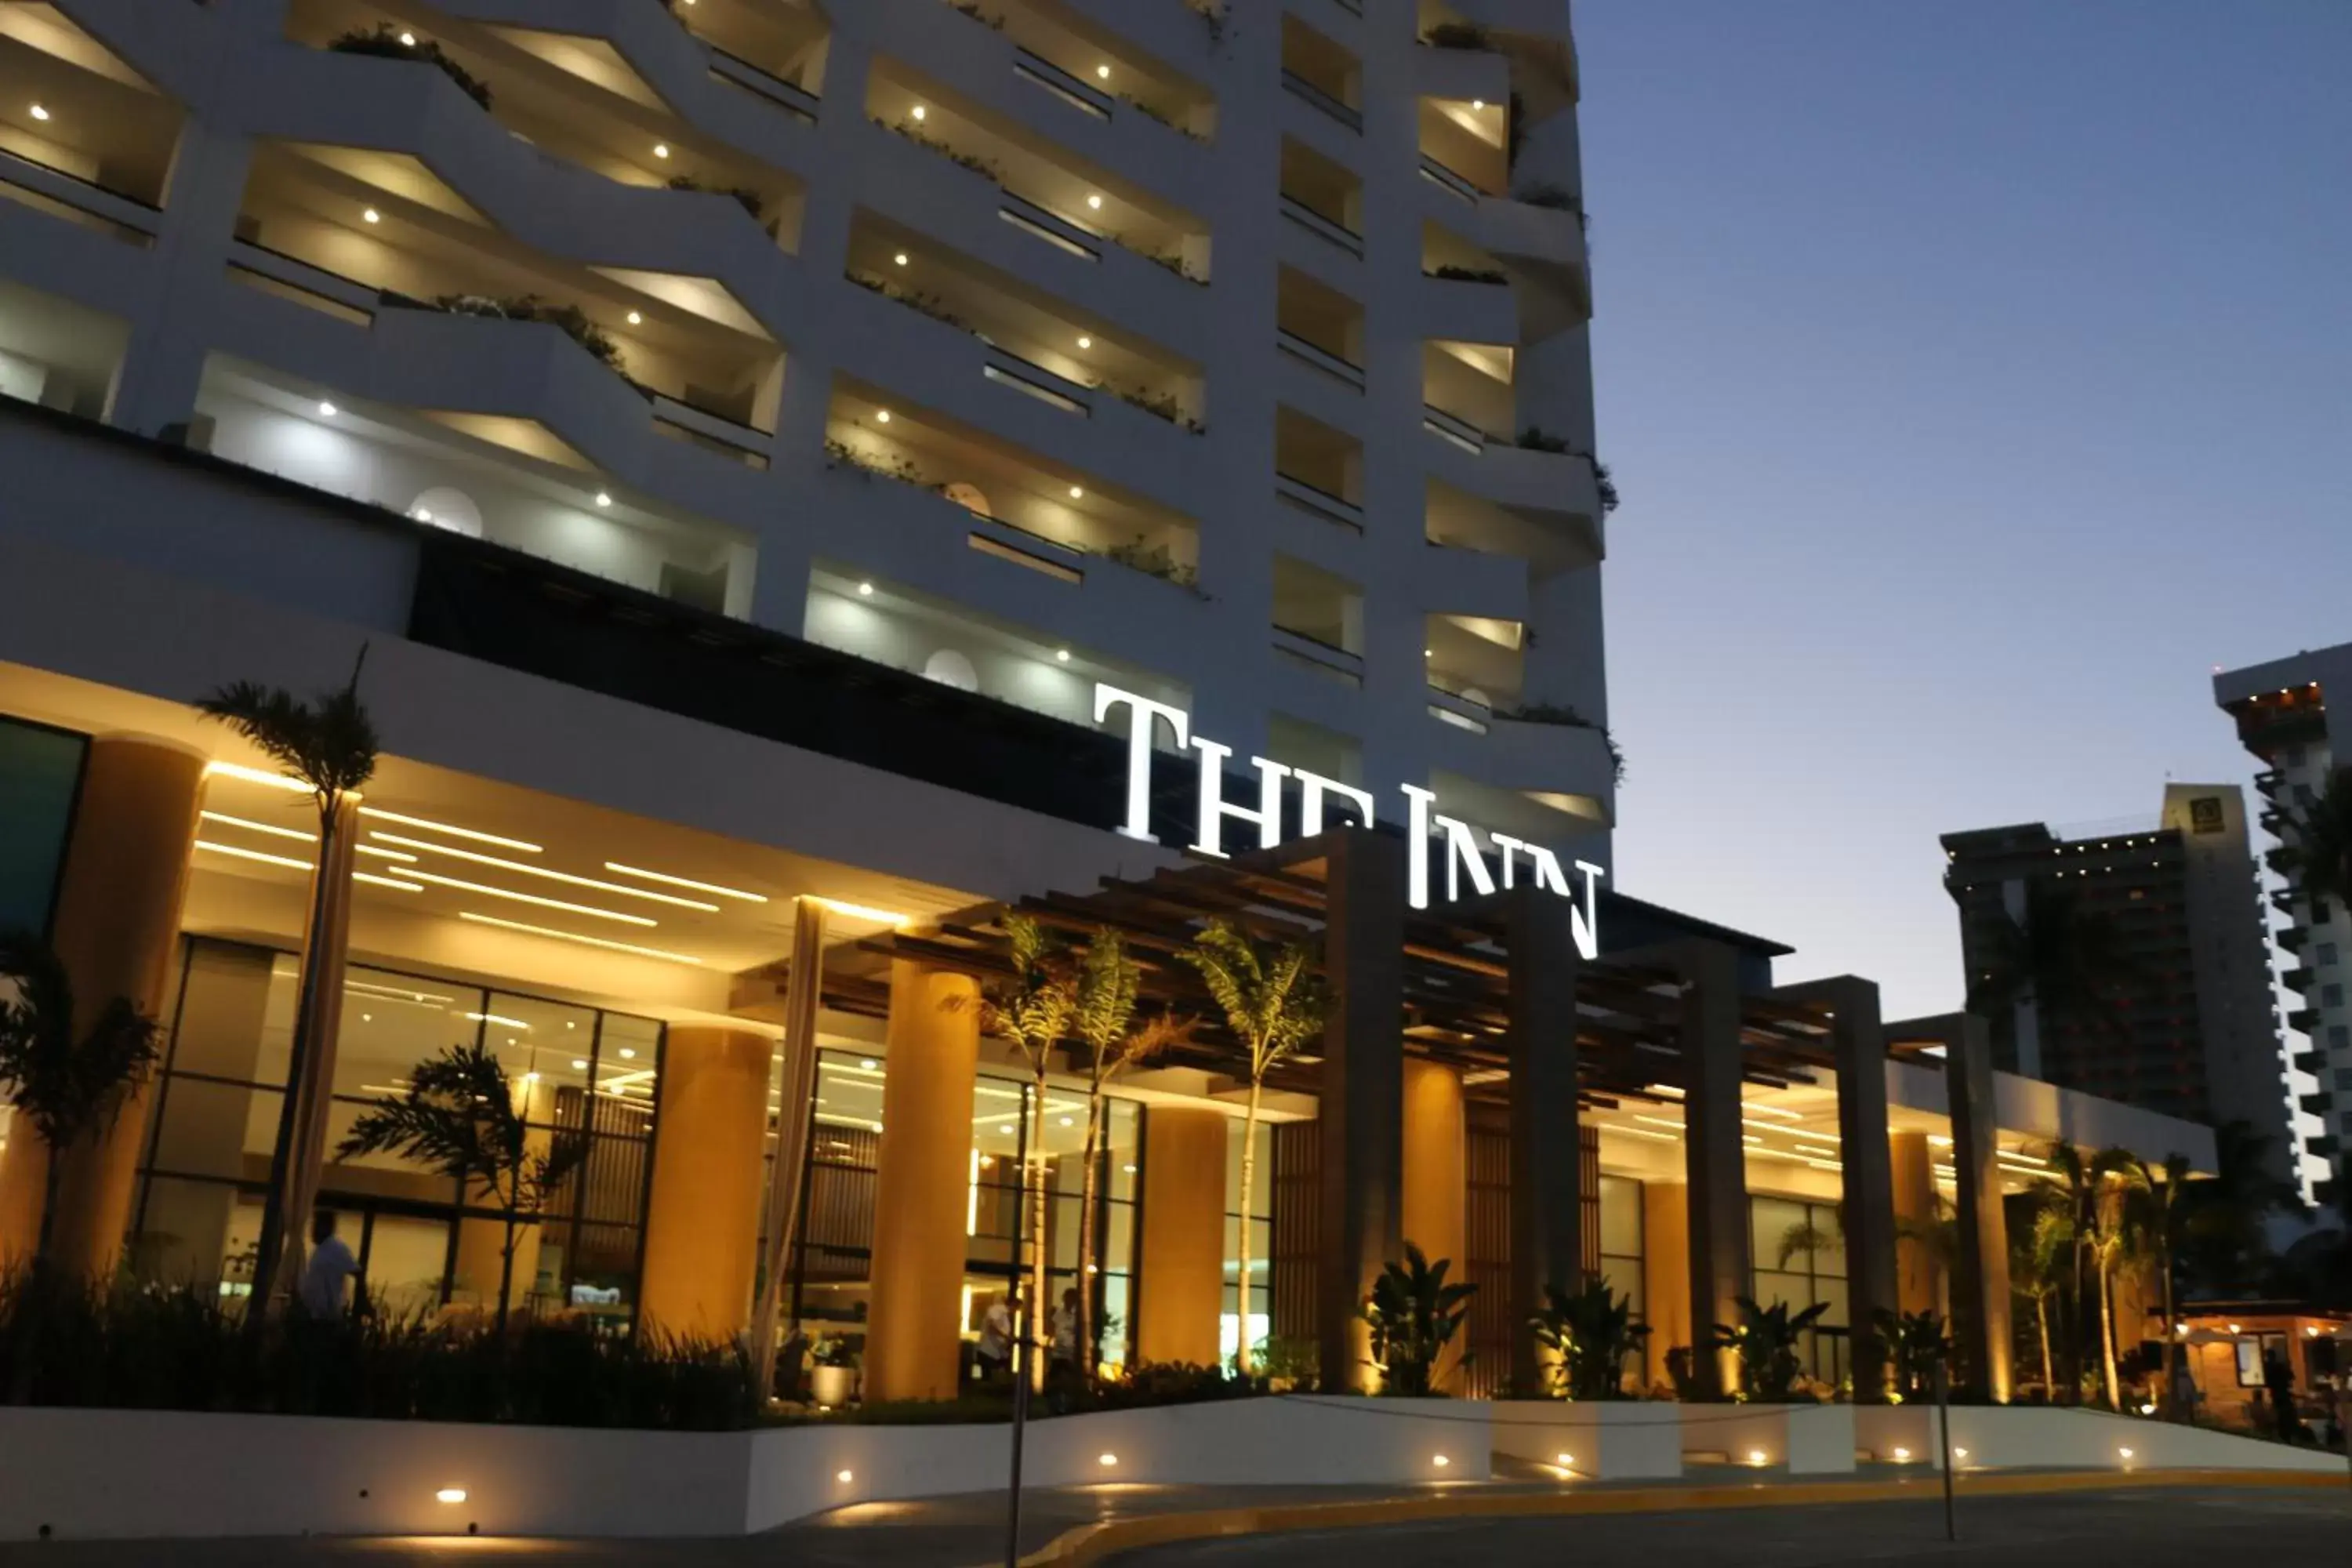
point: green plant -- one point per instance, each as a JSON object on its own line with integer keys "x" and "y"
{"x": 460, "y": 1117}
{"x": 1604, "y": 487}
{"x": 1415, "y": 1315}
{"x": 1156, "y": 559}
{"x": 1173, "y": 260}
{"x": 833, "y": 1349}
{"x": 1034, "y": 1006}
{"x": 64, "y": 1084}
{"x": 329, "y": 744}
{"x": 1766, "y": 1340}
{"x": 1560, "y": 713}
{"x": 1162, "y": 404}
{"x": 2040, "y": 1259}
{"x": 928, "y": 304}
{"x": 1273, "y": 1004}
{"x": 978, "y": 166}
{"x": 749, "y": 200}
{"x": 1542, "y": 194}
{"x": 2318, "y": 844}
{"x": 571, "y": 319}
{"x": 1536, "y": 438}
{"x": 840, "y": 454}
{"x": 995, "y": 23}
{"x": 1288, "y": 1362}
{"x": 1453, "y": 274}
{"x": 1458, "y": 36}
{"x": 1916, "y": 1346}
{"x": 1592, "y": 1330}
{"x": 2154, "y": 1192}
{"x": 387, "y": 42}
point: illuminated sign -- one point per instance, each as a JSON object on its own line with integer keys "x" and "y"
{"x": 1468, "y": 874}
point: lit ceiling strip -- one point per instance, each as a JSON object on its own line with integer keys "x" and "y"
{"x": 564, "y": 876}
{"x": 864, "y": 912}
{"x": 493, "y": 1019}
{"x": 248, "y": 823}
{"x": 590, "y": 911}
{"x": 714, "y": 889}
{"x": 286, "y": 860}
{"x": 1761, "y": 1110}
{"x": 374, "y": 880}
{"x": 574, "y": 936}
{"x": 261, "y": 776}
{"x": 426, "y": 823}
{"x": 393, "y": 991}
{"x": 1643, "y": 1133}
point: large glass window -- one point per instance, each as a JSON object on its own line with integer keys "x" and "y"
{"x": 1622, "y": 1241}
{"x": 1261, "y": 1224}
{"x": 1798, "y": 1251}
{"x": 40, "y": 769}
{"x": 423, "y": 1246}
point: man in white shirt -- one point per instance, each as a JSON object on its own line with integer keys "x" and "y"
{"x": 328, "y": 1272}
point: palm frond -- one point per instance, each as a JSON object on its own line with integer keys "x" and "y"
{"x": 63, "y": 1084}
{"x": 330, "y": 743}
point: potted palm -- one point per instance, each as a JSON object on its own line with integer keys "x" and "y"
{"x": 1273, "y": 1004}
{"x": 833, "y": 1372}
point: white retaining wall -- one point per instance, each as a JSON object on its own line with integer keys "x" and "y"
{"x": 1613, "y": 1440}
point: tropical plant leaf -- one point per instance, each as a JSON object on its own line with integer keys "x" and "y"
{"x": 328, "y": 742}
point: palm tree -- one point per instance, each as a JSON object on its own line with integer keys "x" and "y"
{"x": 2073, "y": 1187}
{"x": 330, "y": 745}
{"x": 1103, "y": 1019}
{"x": 1033, "y": 1007}
{"x": 2156, "y": 1193}
{"x": 460, "y": 1116}
{"x": 2320, "y": 847}
{"x": 2119, "y": 1237}
{"x": 64, "y": 1087}
{"x": 1273, "y": 1004}
{"x": 2040, "y": 1261}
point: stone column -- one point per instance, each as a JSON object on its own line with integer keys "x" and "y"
{"x": 921, "y": 1183}
{"x": 1547, "y": 1167}
{"x": 1361, "y": 1113}
{"x": 703, "y": 1219}
{"x": 1980, "y": 1262}
{"x": 1858, "y": 1043}
{"x": 1919, "y": 1285}
{"x": 1665, "y": 1274}
{"x": 1434, "y": 1206}
{"x": 1715, "y": 1157}
{"x": 1181, "y": 1266}
{"x": 116, "y": 931}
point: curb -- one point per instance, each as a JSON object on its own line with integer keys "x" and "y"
{"x": 1091, "y": 1544}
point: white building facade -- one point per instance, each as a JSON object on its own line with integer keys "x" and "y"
{"x": 1235, "y": 357}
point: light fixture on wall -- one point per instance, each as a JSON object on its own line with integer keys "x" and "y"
{"x": 1061, "y": 656}
{"x": 1086, "y": 342}
{"x": 450, "y": 1494}
{"x": 919, "y": 113}
{"x": 408, "y": 41}
{"x": 1077, "y": 492}
{"x": 866, "y": 590}
{"x": 899, "y": 260}
{"x": 1102, "y": 73}
{"x": 1094, "y": 204}
{"x": 881, "y": 417}
{"x": 661, "y": 149}
{"x": 39, "y": 113}
{"x": 603, "y": 499}
{"x": 636, "y": 318}
{"x": 328, "y": 410}
{"x": 370, "y": 215}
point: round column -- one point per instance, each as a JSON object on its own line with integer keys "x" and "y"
{"x": 116, "y": 930}
{"x": 1918, "y": 1287}
{"x": 921, "y": 1183}
{"x": 1435, "y": 1187}
{"x": 702, "y": 1226}
{"x": 1181, "y": 1268}
{"x": 1665, "y": 1273}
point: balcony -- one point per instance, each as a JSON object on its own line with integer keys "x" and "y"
{"x": 1318, "y": 470}
{"x": 777, "y": 51}
{"x": 1477, "y": 661}
{"x": 1318, "y": 621}
{"x": 442, "y": 471}
{"x": 1320, "y": 328}
{"x": 1078, "y": 208}
{"x": 1462, "y": 522}
{"x": 1011, "y": 503}
{"x": 1462, "y": 146}
{"x": 58, "y": 354}
{"x": 83, "y": 136}
{"x": 1322, "y": 197}
{"x": 1093, "y": 70}
{"x": 1322, "y": 74}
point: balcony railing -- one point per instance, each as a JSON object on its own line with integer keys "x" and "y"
{"x": 1043, "y": 223}
{"x": 1322, "y": 227}
{"x": 746, "y": 443}
{"x": 1335, "y": 663}
{"x": 1454, "y": 428}
{"x": 1300, "y": 87}
{"x": 1439, "y": 174}
{"x": 1321, "y": 502}
{"x": 1044, "y": 73}
{"x": 87, "y": 203}
{"x": 1056, "y": 391}
{"x": 1329, "y": 364}
{"x": 797, "y": 101}
{"x": 345, "y": 299}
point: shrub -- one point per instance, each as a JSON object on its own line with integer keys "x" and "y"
{"x": 1559, "y": 713}
{"x": 1548, "y": 195}
{"x": 1469, "y": 275}
{"x": 1155, "y": 559}
{"x": 570, "y": 318}
{"x": 1536, "y": 438}
{"x": 1415, "y": 1315}
{"x": 383, "y": 41}
{"x": 1458, "y": 36}
{"x": 749, "y": 199}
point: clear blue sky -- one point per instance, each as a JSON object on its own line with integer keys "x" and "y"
{"x": 1979, "y": 376}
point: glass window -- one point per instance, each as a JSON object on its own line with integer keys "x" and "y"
{"x": 40, "y": 772}
{"x": 1622, "y": 1239}
{"x": 1261, "y": 1289}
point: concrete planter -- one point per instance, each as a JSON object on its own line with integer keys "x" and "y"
{"x": 1803, "y": 1439}
{"x": 833, "y": 1386}
{"x": 1603, "y": 1440}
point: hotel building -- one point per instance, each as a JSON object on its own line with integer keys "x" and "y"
{"x": 2282, "y": 717}
{"x": 749, "y": 440}
{"x": 2183, "y": 1021}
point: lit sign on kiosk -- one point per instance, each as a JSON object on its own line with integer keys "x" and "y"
{"x": 1466, "y": 872}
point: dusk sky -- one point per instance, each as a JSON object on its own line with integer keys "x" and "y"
{"x": 1975, "y": 376}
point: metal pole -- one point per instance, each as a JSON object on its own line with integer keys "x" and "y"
{"x": 1943, "y": 1436}
{"x": 1021, "y": 1324}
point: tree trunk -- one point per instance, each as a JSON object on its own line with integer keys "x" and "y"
{"x": 2171, "y": 1332}
{"x": 2041, "y": 1324}
{"x": 2107, "y": 1340}
{"x": 1088, "y": 1337}
{"x": 506, "y": 1276}
{"x": 52, "y": 1173}
{"x": 1041, "y": 1315}
{"x": 1242, "y": 1348}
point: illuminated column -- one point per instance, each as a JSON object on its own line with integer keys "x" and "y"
{"x": 1435, "y": 1190}
{"x": 116, "y": 930}
{"x": 1866, "y": 1206}
{"x": 922, "y": 1184}
{"x": 1665, "y": 1273}
{"x": 1181, "y": 1269}
{"x": 1981, "y": 1261}
{"x": 1715, "y": 1157}
{"x": 702, "y": 1223}
{"x": 1547, "y": 1155}
{"x": 1917, "y": 1286}
{"x": 1359, "y": 1114}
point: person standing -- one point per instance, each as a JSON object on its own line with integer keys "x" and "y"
{"x": 327, "y": 1275}
{"x": 995, "y": 1351}
{"x": 2278, "y": 1379}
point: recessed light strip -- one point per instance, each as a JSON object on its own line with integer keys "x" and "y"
{"x": 590, "y": 911}
{"x": 519, "y": 845}
{"x": 864, "y": 912}
{"x": 295, "y": 833}
{"x": 286, "y": 860}
{"x": 482, "y": 859}
{"x": 374, "y": 880}
{"x": 713, "y": 889}
{"x": 574, "y": 936}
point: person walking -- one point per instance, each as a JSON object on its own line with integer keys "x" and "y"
{"x": 2278, "y": 1380}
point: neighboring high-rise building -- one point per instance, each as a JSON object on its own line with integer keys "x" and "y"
{"x": 2155, "y": 987}
{"x": 2284, "y": 719}
{"x": 1238, "y": 360}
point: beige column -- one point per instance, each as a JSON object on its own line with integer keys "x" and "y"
{"x": 1181, "y": 1269}
{"x": 1665, "y": 1272}
{"x": 702, "y": 1223}
{"x": 116, "y": 930}
{"x": 1435, "y": 1214}
{"x": 921, "y": 1183}
{"x": 1918, "y": 1286}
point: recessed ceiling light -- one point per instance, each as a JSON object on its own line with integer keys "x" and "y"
{"x": 39, "y": 113}
{"x": 328, "y": 410}
{"x": 422, "y": 514}
{"x": 1095, "y": 201}
{"x": 1062, "y": 656}
{"x": 921, "y": 112}
{"x": 661, "y": 149}
{"x": 900, "y": 258}
{"x": 881, "y": 417}
{"x": 579, "y": 1063}
{"x": 636, "y": 320}
{"x": 1077, "y": 492}
{"x": 1477, "y": 103}
{"x": 628, "y": 1053}
{"x": 371, "y": 216}
{"x": 1103, "y": 71}
{"x": 603, "y": 499}
{"x": 1086, "y": 342}
{"x": 866, "y": 590}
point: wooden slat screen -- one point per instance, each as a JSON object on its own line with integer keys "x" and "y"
{"x": 1295, "y": 1224}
